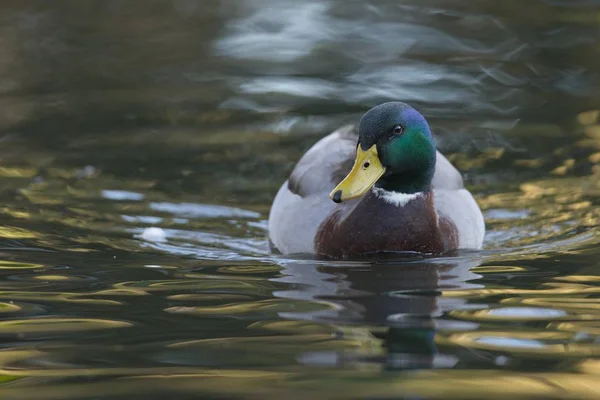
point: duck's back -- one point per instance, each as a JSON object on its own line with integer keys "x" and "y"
{"x": 302, "y": 203}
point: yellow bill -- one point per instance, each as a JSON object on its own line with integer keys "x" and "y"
{"x": 366, "y": 171}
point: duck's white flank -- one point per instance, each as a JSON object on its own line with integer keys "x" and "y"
{"x": 395, "y": 198}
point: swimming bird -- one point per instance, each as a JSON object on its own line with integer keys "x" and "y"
{"x": 381, "y": 187}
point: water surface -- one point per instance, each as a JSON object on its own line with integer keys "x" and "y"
{"x": 142, "y": 144}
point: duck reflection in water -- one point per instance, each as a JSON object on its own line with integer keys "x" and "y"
{"x": 401, "y": 302}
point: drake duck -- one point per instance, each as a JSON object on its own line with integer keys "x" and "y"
{"x": 379, "y": 188}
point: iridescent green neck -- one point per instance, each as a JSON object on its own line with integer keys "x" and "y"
{"x": 408, "y": 182}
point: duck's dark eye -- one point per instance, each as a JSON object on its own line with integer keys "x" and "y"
{"x": 398, "y": 130}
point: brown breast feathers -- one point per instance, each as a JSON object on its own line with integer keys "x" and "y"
{"x": 376, "y": 226}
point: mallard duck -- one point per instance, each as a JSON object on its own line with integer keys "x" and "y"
{"x": 379, "y": 188}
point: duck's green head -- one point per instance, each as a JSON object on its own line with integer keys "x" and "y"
{"x": 395, "y": 152}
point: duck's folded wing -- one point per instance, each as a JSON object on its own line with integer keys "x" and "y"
{"x": 302, "y": 202}
{"x": 456, "y": 204}
{"x": 446, "y": 175}
{"x": 325, "y": 164}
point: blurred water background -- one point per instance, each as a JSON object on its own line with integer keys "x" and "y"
{"x": 186, "y": 115}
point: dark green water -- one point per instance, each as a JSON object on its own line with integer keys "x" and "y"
{"x": 119, "y": 116}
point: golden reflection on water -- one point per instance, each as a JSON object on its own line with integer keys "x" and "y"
{"x": 337, "y": 385}
{"x": 564, "y": 203}
{"x": 58, "y": 325}
{"x": 264, "y": 308}
{"x": 18, "y": 265}
{"x": 208, "y": 297}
